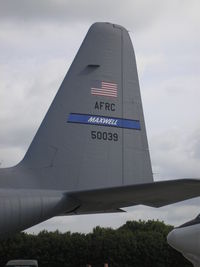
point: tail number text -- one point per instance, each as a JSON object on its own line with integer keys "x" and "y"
{"x": 107, "y": 136}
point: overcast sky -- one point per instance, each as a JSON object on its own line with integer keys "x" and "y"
{"x": 38, "y": 41}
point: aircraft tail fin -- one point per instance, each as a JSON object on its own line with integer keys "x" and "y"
{"x": 93, "y": 135}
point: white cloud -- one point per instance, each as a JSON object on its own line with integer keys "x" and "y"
{"x": 85, "y": 11}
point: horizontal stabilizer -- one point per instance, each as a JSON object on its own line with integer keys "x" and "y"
{"x": 80, "y": 212}
{"x": 155, "y": 194}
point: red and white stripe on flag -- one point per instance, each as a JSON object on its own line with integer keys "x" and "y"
{"x": 105, "y": 89}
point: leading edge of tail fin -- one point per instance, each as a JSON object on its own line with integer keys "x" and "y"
{"x": 93, "y": 135}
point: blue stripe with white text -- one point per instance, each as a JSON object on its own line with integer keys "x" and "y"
{"x": 104, "y": 121}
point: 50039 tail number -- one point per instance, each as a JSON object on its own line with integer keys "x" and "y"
{"x": 106, "y": 136}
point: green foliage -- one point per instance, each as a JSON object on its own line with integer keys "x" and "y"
{"x": 139, "y": 244}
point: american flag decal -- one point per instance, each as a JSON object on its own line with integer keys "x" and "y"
{"x": 105, "y": 89}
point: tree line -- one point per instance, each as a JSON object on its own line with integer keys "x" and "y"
{"x": 137, "y": 244}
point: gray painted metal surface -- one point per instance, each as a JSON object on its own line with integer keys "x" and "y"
{"x": 66, "y": 150}
{"x": 90, "y": 153}
{"x": 186, "y": 239}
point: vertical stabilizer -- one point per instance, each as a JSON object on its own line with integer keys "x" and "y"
{"x": 93, "y": 135}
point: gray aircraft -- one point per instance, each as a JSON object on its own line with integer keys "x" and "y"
{"x": 90, "y": 154}
{"x": 185, "y": 239}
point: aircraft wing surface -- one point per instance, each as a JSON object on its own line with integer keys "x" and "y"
{"x": 156, "y": 194}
